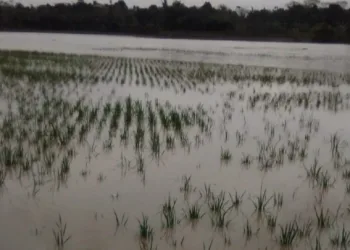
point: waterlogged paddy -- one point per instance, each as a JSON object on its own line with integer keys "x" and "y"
{"x": 134, "y": 153}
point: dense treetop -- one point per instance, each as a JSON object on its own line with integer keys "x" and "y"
{"x": 307, "y": 21}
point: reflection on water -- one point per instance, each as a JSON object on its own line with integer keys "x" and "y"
{"x": 101, "y": 152}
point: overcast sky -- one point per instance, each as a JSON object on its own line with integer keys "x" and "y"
{"x": 230, "y": 3}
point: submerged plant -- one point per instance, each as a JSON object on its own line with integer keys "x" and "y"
{"x": 225, "y": 155}
{"x": 237, "y": 199}
{"x": 2, "y": 176}
{"x": 304, "y": 230}
{"x": 120, "y": 221}
{"x": 60, "y": 233}
{"x": 288, "y": 234}
{"x": 145, "y": 230}
{"x": 193, "y": 212}
{"x": 218, "y": 203}
{"x": 317, "y": 245}
{"x": 169, "y": 213}
{"x": 323, "y": 218}
{"x": 210, "y": 245}
{"x": 260, "y": 202}
{"x": 271, "y": 222}
{"x": 187, "y": 187}
{"x": 278, "y": 200}
{"x": 247, "y": 231}
{"x": 314, "y": 172}
{"x": 220, "y": 218}
{"x": 341, "y": 239}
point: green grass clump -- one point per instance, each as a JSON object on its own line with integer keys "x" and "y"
{"x": 193, "y": 212}
{"x": 323, "y": 218}
{"x": 169, "y": 213}
{"x": 288, "y": 234}
{"x": 260, "y": 202}
{"x": 237, "y": 199}
{"x": 271, "y": 222}
{"x": 145, "y": 230}
{"x": 225, "y": 155}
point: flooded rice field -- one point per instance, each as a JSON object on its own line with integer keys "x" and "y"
{"x": 126, "y": 152}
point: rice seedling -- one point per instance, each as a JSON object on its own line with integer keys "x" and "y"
{"x": 220, "y": 218}
{"x": 187, "y": 187}
{"x": 260, "y": 202}
{"x": 8, "y": 157}
{"x": 120, "y": 221}
{"x": 271, "y": 221}
{"x": 108, "y": 145}
{"x": 247, "y": 231}
{"x": 101, "y": 177}
{"x": 278, "y": 200}
{"x": 193, "y": 212}
{"x": 147, "y": 245}
{"x": 225, "y": 155}
{"x": 346, "y": 174}
{"x": 145, "y": 230}
{"x": 60, "y": 233}
{"x": 65, "y": 165}
{"x": 208, "y": 193}
{"x": 304, "y": 230}
{"x": 323, "y": 218}
{"x": 2, "y": 176}
{"x": 246, "y": 160}
{"x": 170, "y": 142}
{"x": 336, "y": 144}
{"x": 237, "y": 200}
{"x": 169, "y": 213}
{"x": 287, "y": 234}
{"x": 140, "y": 163}
{"x": 341, "y": 239}
{"x": 209, "y": 246}
{"x": 325, "y": 181}
{"x": 154, "y": 144}
{"x": 317, "y": 245}
{"x": 314, "y": 172}
{"x": 347, "y": 188}
{"x": 218, "y": 203}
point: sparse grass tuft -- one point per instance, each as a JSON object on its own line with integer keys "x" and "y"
{"x": 323, "y": 218}
{"x": 2, "y": 176}
{"x": 120, "y": 221}
{"x": 169, "y": 213}
{"x": 260, "y": 202}
{"x": 271, "y": 222}
{"x": 288, "y": 234}
{"x": 237, "y": 199}
{"x": 60, "y": 233}
{"x": 341, "y": 239}
{"x": 304, "y": 230}
{"x": 247, "y": 231}
{"x": 225, "y": 155}
{"x": 278, "y": 200}
{"x": 193, "y": 212}
{"x": 145, "y": 230}
{"x": 187, "y": 187}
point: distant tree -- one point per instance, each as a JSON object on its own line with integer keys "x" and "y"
{"x": 306, "y": 21}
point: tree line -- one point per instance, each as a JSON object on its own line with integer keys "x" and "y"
{"x": 307, "y": 21}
